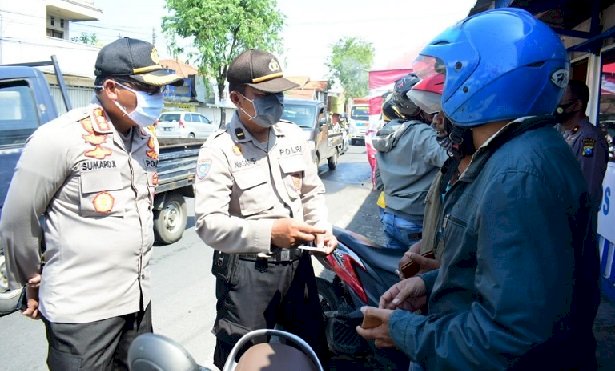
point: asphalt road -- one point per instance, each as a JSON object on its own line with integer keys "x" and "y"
{"x": 183, "y": 300}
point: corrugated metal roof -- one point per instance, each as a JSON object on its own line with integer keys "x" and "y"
{"x": 180, "y": 68}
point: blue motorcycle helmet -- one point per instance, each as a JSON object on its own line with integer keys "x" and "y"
{"x": 500, "y": 65}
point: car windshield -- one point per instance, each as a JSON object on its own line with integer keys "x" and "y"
{"x": 18, "y": 113}
{"x": 359, "y": 113}
{"x": 301, "y": 114}
{"x": 169, "y": 117}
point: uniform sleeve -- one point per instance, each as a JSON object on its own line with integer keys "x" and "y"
{"x": 523, "y": 283}
{"x": 216, "y": 227}
{"x": 428, "y": 146}
{"x": 593, "y": 154}
{"x": 40, "y": 172}
{"x": 313, "y": 195}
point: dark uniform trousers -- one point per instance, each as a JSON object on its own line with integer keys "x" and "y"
{"x": 99, "y": 345}
{"x": 256, "y": 293}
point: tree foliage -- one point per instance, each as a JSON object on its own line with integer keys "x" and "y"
{"x": 222, "y": 29}
{"x": 349, "y": 63}
{"x": 86, "y": 38}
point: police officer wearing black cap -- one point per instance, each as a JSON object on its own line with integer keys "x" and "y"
{"x": 257, "y": 197}
{"x": 90, "y": 175}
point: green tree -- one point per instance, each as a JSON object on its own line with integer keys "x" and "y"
{"x": 221, "y": 30}
{"x": 348, "y": 64}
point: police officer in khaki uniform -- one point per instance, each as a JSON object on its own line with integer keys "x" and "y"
{"x": 586, "y": 140}
{"x": 258, "y": 196}
{"x": 90, "y": 175}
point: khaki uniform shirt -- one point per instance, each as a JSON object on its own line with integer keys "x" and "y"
{"x": 243, "y": 185}
{"x": 96, "y": 203}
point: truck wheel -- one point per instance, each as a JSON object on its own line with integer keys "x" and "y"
{"x": 332, "y": 161}
{"x": 170, "y": 221}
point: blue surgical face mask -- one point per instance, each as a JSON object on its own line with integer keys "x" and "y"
{"x": 148, "y": 109}
{"x": 267, "y": 109}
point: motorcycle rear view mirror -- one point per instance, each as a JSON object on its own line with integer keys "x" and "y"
{"x": 150, "y": 352}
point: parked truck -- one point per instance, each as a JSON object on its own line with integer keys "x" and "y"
{"x": 26, "y": 103}
{"x": 324, "y": 138}
{"x": 358, "y": 119}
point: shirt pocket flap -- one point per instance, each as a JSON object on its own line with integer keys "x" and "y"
{"x": 101, "y": 181}
{"x": 250, "y": 178}
{"x": 293, "y": 164}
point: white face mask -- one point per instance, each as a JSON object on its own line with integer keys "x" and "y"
{"x": 148, "y": 107}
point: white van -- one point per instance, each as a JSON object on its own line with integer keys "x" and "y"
{"x": 181, "y": 124}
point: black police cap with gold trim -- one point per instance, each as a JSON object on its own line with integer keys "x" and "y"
{"x": 260, "y": 70}
{"x": 134, "y": 59}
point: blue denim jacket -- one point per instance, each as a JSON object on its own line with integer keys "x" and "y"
{"x": 518, "y": 283}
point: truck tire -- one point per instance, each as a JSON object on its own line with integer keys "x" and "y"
{"x": 332, "y": 161}
{"x": 170, "y": 221}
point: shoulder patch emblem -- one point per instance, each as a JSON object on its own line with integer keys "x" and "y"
{"x": 588, "y": 147}
{"x": 202, "y": 169}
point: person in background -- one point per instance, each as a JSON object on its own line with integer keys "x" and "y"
{"x": 586, "y": 140}
{"x": 408, "y": 157}
{"x": 517, "y": 286}
{"x": 90, "y": 175}
{"x": 258, "y": 197}
{"x": 460, "y": 148}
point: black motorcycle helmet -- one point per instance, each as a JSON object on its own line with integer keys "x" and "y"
{"x": 403, "y": 104}
{"x": 389, "y": 112}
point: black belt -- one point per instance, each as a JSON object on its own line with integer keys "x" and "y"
{"x": 278, "y": 256}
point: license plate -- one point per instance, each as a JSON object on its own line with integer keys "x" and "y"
{"x": 166, "y": 129}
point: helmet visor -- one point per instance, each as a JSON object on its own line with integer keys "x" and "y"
{"x": 425, "y": 66}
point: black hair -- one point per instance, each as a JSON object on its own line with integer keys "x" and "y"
{"x": 238, "y": 87}
{"x": 580, "y": 91}
{"x": 98, "y": 82}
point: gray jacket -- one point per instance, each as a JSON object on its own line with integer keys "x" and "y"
{"x": 408, "y": 158}
{"x": 95, "y": 198}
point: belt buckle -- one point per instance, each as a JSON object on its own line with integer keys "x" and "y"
{"x": 284, "y": 255}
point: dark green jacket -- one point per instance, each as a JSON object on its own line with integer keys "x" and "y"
{"x": 518, "y": 282}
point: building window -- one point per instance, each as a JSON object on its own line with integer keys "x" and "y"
{"x": 51, "y": 21}
{"x": 54, "y": 33}
{"x": 61, "y": 23}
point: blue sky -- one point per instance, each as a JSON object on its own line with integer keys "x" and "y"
{"x": 394, "y": 27}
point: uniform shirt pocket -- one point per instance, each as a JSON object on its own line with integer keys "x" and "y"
{"x": 99, "y": 193}
{"x": 254, "y": 195}
{"x": 293, "y": 169}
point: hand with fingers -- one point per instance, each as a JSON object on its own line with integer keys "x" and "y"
{"x": 289, "y": 233}
{"x": 379, "y": 333}
{"x": 327, "y": 241}
{"x": 413, "y": 263}
{"x": 31, "y": 310}
{"x": 409, "y": 294}
{"x": 415, "y": 248}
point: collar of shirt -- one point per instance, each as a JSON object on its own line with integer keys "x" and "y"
{"x": 239, "y": 133}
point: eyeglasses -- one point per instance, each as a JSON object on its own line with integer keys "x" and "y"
{"x": 148, "y": 89}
